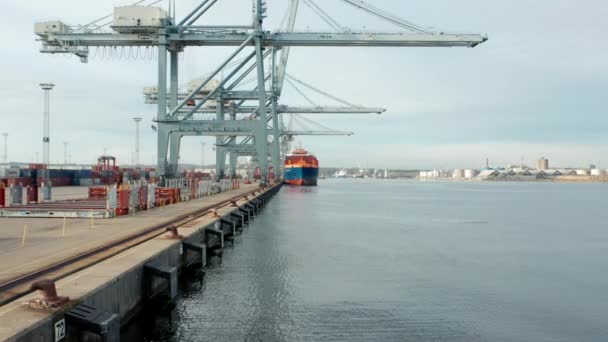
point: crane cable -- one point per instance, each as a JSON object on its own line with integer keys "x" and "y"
{"x": 314, "y": 124}
{"x": 386, "y": 16}
{"x": 323, "y": 15}
{"x": 301, "y": 92}
{"x": 290, "y": 77}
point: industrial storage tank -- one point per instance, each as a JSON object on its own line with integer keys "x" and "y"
{"x": 470, "y": 173}
{"x": 542, "y": 164}
{"x": 582, "y": 172}
{"x": 458, "y": 173}
{"x": 597, "y": 172}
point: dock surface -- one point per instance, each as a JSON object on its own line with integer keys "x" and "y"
{"x": 46, "y": 244}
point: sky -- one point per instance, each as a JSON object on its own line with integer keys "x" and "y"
{"x": 536, "y": 89}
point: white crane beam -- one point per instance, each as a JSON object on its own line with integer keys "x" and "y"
{"x": 278, "y": 39}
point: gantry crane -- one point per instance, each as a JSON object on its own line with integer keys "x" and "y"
{"x": 245, "y": 148}
{"x": 155, "y": 28}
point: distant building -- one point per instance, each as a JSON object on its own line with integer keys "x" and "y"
{"x": 542, "y": 164}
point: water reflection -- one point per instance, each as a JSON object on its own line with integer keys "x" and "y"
{"x": 406, "y": 261}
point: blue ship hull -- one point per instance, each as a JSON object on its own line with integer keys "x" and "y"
{"x": 301, "y": 175}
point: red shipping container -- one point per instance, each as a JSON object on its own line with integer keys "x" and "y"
{"x": 123, "y": 200}
{"x": 37, "y": 166}
{"x": 98, "y": 192}
{"x": 2, "y": 196}
{"x": 32, "y": 194}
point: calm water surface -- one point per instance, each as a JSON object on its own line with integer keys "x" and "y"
{"x": 363, "y": 260}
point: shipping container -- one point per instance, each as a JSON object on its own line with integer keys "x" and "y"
{"x": 83, "y": 174}
{"x": 83, "y": 182}
{"x": 37, "y": 166}
{"x": 12, "y": 173}
{"x": 61, "y": 181}
{"x": 18, "y": 181}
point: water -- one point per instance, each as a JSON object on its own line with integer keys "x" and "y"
{"x": 363, "y": 260}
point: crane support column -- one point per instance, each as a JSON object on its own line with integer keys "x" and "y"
{"x": 233, "y": 156}
{"x": 233, "y": 160}
{"x": 261, "y": 138}
{"x": 175, "y": 139}
{"x": 163, "y": 130}
{"x": 275, "y": 120}
{"x": 220, "y": 154}
{"x": 174, "y": 79}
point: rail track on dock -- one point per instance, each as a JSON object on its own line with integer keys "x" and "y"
{"x": 21, "y": 285}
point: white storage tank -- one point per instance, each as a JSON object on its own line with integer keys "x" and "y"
{"x": 596, "y": 172}
{"x": 582, "y": 172}
{"x": 458, "y": 173}
{"x": 470, "y": 173}
{"x": 138, "y": 18}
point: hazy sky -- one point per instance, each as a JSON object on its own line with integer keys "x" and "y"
{"x": 537, "y": 88}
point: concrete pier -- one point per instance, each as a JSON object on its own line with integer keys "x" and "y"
{"x": 119, "y": 284}
{"x": 46, "y": 243}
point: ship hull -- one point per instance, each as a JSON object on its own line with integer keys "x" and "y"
{"x": 304, "y": 176}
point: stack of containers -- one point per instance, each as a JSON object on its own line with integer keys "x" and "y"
{"x": 83, "y": 178}
{"x": 96, "y": 176}
{"x": 60, "y": 177}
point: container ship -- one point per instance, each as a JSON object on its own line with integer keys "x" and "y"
{"x": 301, "y": 168}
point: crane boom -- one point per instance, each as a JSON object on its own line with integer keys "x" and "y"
{"x": 78, "y": 42}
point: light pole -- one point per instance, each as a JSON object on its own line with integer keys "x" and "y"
{"x": 203, "y": 156}
{"x": 137, "y": 121}
{"x": 65, "y": 152}
{"x": 46, "y": 148}
{"x": 5, "y": 155}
